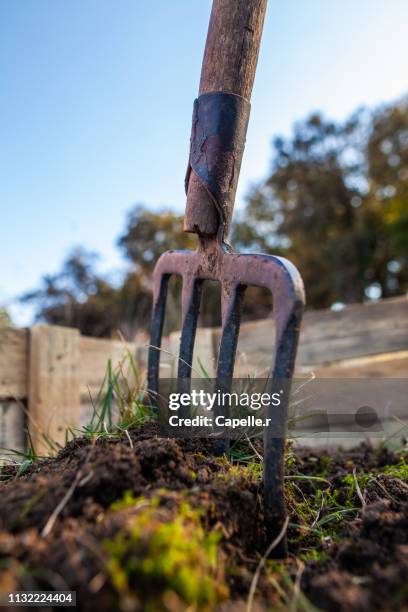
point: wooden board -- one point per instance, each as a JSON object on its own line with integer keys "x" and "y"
{"x": 94, "y": 354}
{"x": 363, "y": 329}
{"x": 54, "y": 391}
{"x": 328, "y": 336}
{"x": 385, "y": 365}
{"x": 203, "y": 356}
{"x": 13, "y": 363}
{"x": 12, "y": 422}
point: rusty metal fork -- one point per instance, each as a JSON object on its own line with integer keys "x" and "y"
{"x": 219, "y": 127}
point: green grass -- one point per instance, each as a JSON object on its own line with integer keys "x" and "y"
{"x": 120, "y": 403}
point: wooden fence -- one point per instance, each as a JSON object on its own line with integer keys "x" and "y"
{"x": 49, "y": 374}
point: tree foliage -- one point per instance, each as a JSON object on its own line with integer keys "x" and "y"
{"x": 78, "y": 297}
{"x": 149, "y": 234}
{"x": 336, "y": 203}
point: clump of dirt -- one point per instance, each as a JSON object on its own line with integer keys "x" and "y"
{"x": 141, "y": 522}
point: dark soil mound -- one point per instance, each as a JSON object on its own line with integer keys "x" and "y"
{"x": 140, "y": 522}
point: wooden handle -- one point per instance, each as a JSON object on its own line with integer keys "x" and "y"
{"x": 229, "y": 64}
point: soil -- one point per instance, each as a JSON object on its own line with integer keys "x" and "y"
{"x": 348, "y": 545}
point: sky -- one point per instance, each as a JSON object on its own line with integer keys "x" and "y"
{"x": 96, "y": 102}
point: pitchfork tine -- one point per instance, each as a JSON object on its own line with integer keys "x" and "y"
{"x": 159, "y": 309}
{"x": 190, "y": 299}
{"x": 231, "y": 306}
{"x": 275, "y": 435}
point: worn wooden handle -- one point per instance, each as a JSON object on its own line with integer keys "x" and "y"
{"x": 229, "y": 64}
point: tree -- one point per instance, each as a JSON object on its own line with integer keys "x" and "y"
{"x": 78, "y": 297}
{"x": 387, "y": 160}
{"x": 149, "y": 234}
{"x": 324, "y": 205}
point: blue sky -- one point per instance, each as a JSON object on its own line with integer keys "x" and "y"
{"x": 96, "y": 101}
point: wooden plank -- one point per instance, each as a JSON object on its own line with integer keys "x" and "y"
{"x": 166, "y": 357}
{"x": 386, "y": 365}
{"x": 303, "y": 437}
{"x": 13, "y": 363}
{"x": 321, "y": 403}
{"x": 355, "y": 331}
{"x": 94, "y": 354}
{"x": 203, "y": 356}
{"x": 54, "y": 391}
{"x": 327, "y": 336}
{"x": 11, "y": 427}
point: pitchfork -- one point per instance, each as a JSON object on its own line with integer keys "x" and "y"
{"x": 220, "y": 120}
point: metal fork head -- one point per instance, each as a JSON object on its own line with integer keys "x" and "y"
{"x": 234, "y": 271}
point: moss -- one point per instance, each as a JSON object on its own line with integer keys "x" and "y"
{"x": 128, "y": 501}
{"x": 290, "y": 460}
{"x": 398, "y": 470}
{"x": 315, "y": 554}
{"x": 237, "y": 472}
{"x": 324, "y": 465}
{"x": 256, "y": 469}
{"x": 157, "y": 554}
